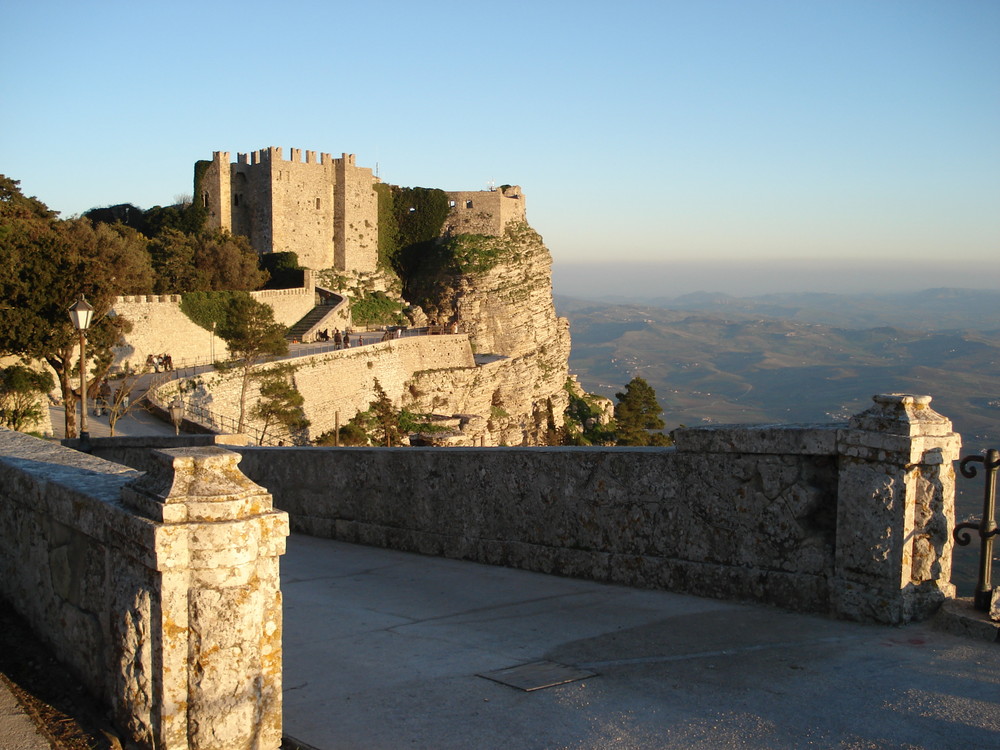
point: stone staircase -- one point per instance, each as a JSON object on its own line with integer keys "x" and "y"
{"x": 333, "y": 313}
{"x": 311, "y": 320}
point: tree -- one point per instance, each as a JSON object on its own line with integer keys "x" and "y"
{"x": 226, "y": 261}
{"x": 636, "y": 413}
{"x": 20, "y": 391}
{"x": 280, "y": 404}
{"x": 121, "y": 399}
{"x": 379, "y": 423}
{"x": 252, "y": 334}
{"x": 47, "y": 264}
{"x": 172, "y": 253}
{"x": 283, "y": 269}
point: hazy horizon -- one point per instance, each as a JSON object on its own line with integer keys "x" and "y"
{"x": 756, "y": 277}
{"x": 774, "y": 129}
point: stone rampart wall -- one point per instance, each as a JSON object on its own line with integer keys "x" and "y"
{"x": 159, "y": 327}
{"x": 159, "y": 590}
{"x": 289, "y": 305}
{"x": 853, "y": 519}
{"x": 339, "y": 381}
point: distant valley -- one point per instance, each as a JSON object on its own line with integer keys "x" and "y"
{"x": 798, "y": 358}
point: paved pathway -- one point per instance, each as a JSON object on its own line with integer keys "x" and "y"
{"x": 385, "y": 649}
{"x": 17, "y": 729}
{"x": 140, "y": 422}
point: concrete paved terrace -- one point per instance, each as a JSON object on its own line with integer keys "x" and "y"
{"x": 391, "y": 650}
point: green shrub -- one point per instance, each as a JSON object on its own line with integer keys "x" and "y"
{"x": 205, "y": 308}
{"x": 377, "y": 309}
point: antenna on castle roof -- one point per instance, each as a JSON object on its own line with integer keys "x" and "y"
{"x": 492, "y": 185}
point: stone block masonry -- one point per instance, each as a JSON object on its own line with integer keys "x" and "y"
{"x": 339, "y": 381}
{"x": 323, "y": 209}
{"x": 852, "y": 520}
{"x": 159, "y": 590}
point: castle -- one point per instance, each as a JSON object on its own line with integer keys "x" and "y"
{"x": 324, "y": 209}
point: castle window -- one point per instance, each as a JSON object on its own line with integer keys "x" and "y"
{"x": 468, "y": 204}
{"x": 317, "y": 204}
{"x": 236, "y": 199}
{"x": 204, "y": 199}
{"x": 451, "y": 204}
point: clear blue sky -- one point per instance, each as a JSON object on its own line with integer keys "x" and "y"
{"x": 660, "y": 132}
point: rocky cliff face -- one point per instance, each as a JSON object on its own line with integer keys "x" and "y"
{"x": 499, "y": 291}
{"x": 504, "y": 385}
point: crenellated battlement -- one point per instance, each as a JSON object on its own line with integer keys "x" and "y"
{"x": 148, "y": 299}
{"x": 274, "y": 154}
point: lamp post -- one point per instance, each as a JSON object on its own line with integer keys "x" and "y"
{"x": 81, "y": 313}
{"x": 177, "y": 414}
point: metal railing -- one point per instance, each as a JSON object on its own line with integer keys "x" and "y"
{"x": 985, "y": 526}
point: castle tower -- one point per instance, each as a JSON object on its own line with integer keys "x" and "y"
{"x": 324, "y": 210}
{"x": 356, "y": 218}
{"x": 212, "y": 190}
{"x": 485, "y": 211}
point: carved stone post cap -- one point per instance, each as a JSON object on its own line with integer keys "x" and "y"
{"x": 902, "y": 414}
{"x": 196, "y": 484}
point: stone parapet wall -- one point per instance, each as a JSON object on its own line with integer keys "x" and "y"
{"x": 159, "y": 590}
{"x": 786, "y": 515}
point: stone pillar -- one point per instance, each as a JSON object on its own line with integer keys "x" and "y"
{"x": 200, "y": 655}
{"x": 895, "y": 512}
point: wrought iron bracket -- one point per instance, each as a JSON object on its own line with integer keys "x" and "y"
{"x": 986, "y": 526}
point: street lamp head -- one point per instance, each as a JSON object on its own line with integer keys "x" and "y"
{"x": 81, "y": 312}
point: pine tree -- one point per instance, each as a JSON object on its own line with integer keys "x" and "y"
{"x": 637, "y": 412}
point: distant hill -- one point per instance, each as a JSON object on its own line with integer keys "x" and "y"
{"x": 709, "y": 366}
{"x": 930, "y": 310}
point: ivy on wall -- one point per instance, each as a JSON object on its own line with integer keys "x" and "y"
{"x": 206, "y": 308}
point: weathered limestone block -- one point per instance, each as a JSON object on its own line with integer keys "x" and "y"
{"x": 208, "y": 622}
{"x": 895, "y": 511}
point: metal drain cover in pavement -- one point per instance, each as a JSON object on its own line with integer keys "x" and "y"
{"x": 537, "y": 675}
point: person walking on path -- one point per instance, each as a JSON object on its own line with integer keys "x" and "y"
{"x": 338, "y": 341}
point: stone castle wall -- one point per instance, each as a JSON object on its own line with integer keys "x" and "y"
{"x": 289, "y": 305}
{"x": 159, "y": 327}
{"x": 341, "y": 382}
{"x": 355, "y": 217}
{"x": 485, "y": 211}
{"x": 323, "y": 209}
